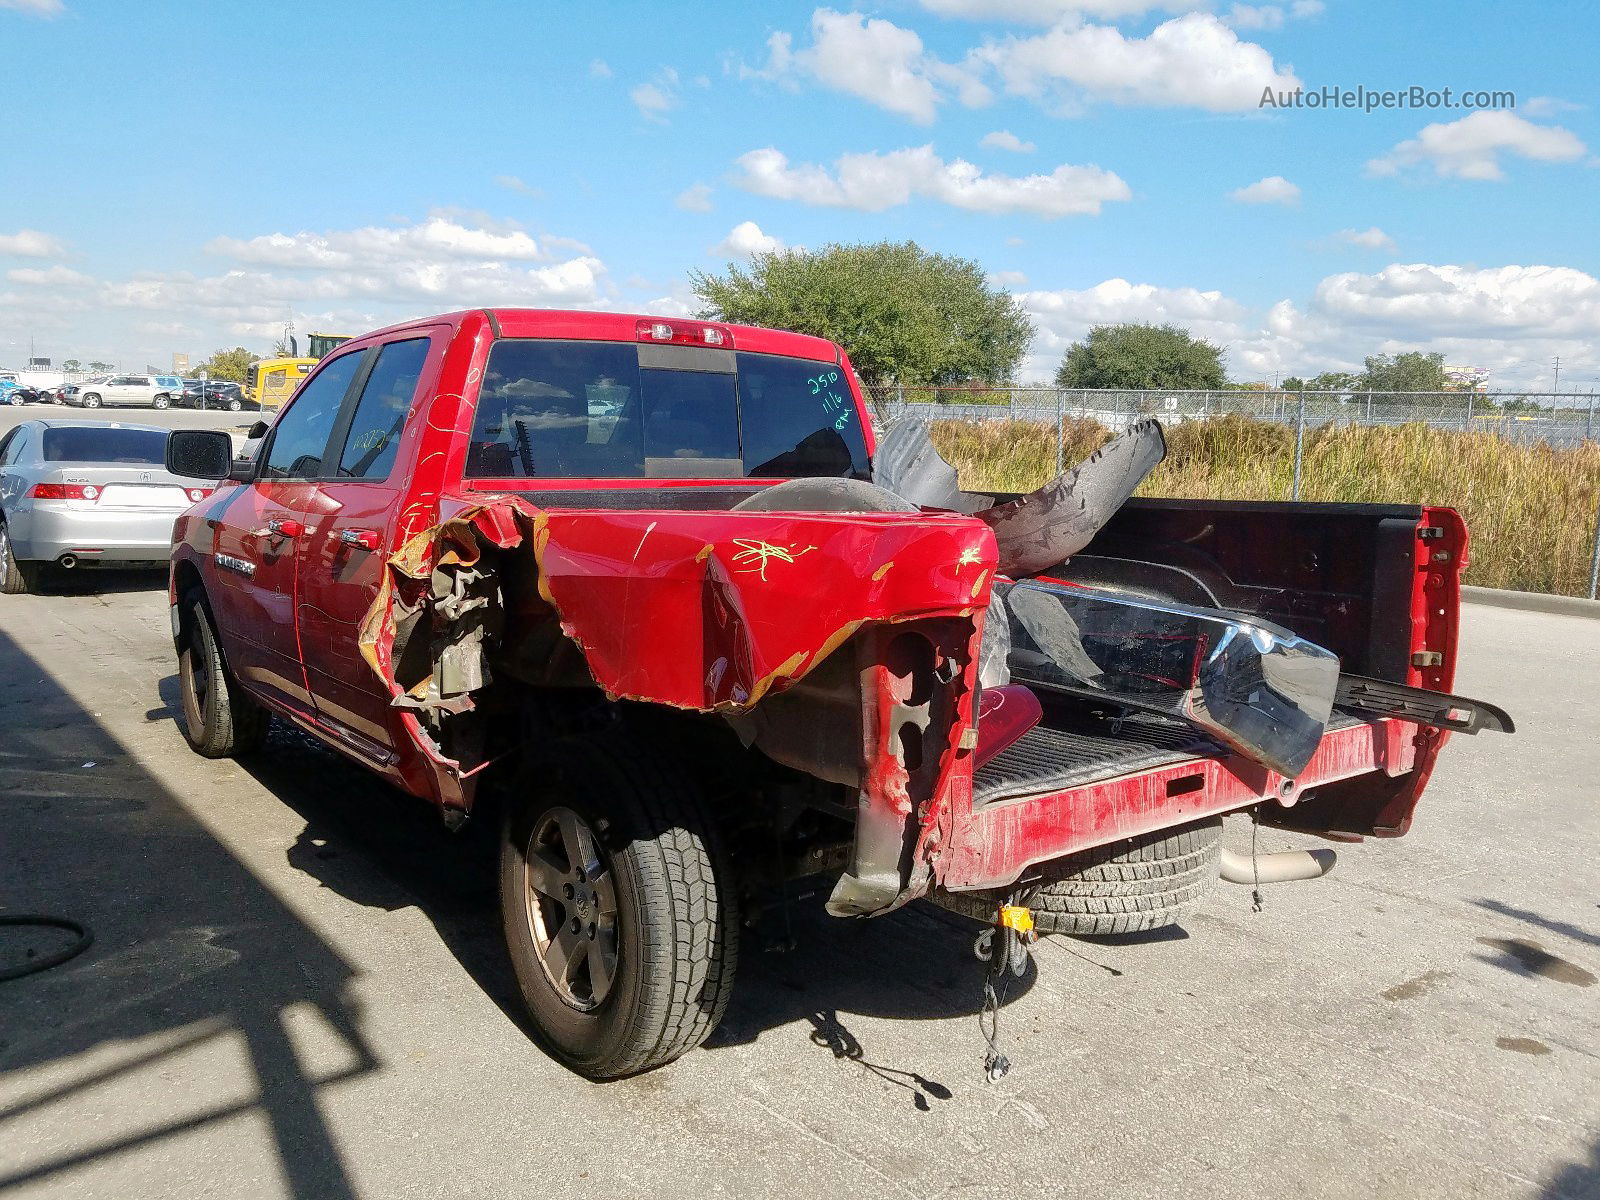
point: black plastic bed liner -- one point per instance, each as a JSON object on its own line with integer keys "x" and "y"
{"x": 1075, "y": 749}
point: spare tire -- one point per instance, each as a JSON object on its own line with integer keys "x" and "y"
{"x": 825, "y": 495}
{"x": 1139, "y": 883}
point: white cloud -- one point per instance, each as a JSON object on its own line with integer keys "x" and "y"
{"x": 874, "y": 181}
{"x": 1050, "y": 12}
{"x": 695, "y": 198}
{"x": 1007, "y": 279}
{"x": 656, "y": 99}
{"x": 600, "y": 69}
{"x": 1274, "y": 189}
{"x": 434, "y": 240}
{"x": 1190, "y": 61}
{"x": 1367, "y": 239}
{"x": 872, "y": 59}
{"x": 1064, "y": 316}
{"x": 1004, "y": 139}
{"x": 1548, "y": 106}
{"x": 30, "y": 243}
{"x": 1255, "y": 16}
{"x": 35, "y": 8}
{"x": 1467, "y": 302}
{"x": 1471, "y": 147}
{"x": 57, "y": 276}
{"x": 513, "y": 183}
{"x": 745, "y": 240}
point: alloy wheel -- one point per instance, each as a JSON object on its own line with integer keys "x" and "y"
{"x": 572, "y": 908}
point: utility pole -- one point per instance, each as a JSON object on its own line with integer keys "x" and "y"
{"x": 1556, "y": 387}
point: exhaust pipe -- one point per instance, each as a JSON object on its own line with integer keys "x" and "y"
{"x": 1283, "y": 867}
{"x": 67, "y": 561}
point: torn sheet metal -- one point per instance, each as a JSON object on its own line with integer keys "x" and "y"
{"x": 700, "y": 610}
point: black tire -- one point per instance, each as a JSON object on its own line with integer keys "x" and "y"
{"x": 675, "y": 930}
{"x": 1130, "y": 886}
{"x": 219, "y": 720}
{"x": 91, "y": 400}
{"x": 234, "y": 405}
{"x": 16, "y": 578}
{"x": 161, "y": 401}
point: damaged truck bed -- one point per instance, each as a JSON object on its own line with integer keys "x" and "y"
{"x": 654, "y": 591}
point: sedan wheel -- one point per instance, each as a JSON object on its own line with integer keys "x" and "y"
{"x": 16, "y": 578}
{"x": 234, "y": 406}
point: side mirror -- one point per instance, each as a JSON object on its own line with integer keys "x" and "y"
{"x": 256, "y": 432}
{"x": 200, "y": 453}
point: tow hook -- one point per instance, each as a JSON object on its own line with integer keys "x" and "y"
{"x": 1006, "y": 947}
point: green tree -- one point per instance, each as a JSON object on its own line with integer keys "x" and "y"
{"x": 1412, "y": 371}
{"x": 1294, "y": 383}
{"x": 228, "y": 364}
{"x": 98, "y": 366}
{"x": 903, "y": 314}
{"x": 72, "y": 364}
{"x": 1335, "y": 381}
{"x": 1141, "y": 356}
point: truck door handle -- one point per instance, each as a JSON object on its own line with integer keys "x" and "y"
{"x": 284, "y": 527}
{"x": 365, "y": 539}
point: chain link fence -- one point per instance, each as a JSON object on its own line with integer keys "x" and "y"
{"x": 1561, "y": 420}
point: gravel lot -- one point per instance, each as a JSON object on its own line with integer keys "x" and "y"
{"x": 297, "y": 989}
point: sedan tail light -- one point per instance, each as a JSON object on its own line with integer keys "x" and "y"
{"x": 198, "y": 494}
{"x": 64, "y": 491}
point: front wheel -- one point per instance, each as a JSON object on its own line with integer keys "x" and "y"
{"x": 234, "y": 405}
{"x": 91, "y": 400}
{"x": 219, "y": 720}
{"x": 618, "y": 914}
{"x": 161, "y": 402}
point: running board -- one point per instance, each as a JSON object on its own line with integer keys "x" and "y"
{"x": 1440, "y": 710}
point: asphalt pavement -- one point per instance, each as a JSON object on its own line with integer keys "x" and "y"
{"x": 296, "y": 989}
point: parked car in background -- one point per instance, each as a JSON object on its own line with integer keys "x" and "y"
{"x": 12, "y": 392}
{"x": 216, "y": 393}
{"x": 141, "y": 391}
{"x": 83, "y": 493}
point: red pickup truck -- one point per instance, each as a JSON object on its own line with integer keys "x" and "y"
{"x": 656, "y": 587}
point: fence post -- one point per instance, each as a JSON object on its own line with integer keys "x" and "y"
{"x": 1299, "y": 442}
{"x": 1594, "y": 557}
{"x": 1468, "y": 425}
{"x": 1369, "y": 406}
{"x": 1588, "y": 425}
{"x": 1061, "y": 431}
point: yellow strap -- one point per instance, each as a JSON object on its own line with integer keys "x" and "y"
{"x": 1015, "y": 916}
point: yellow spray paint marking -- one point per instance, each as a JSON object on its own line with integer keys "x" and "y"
{"x": 968, "y": 556}
{"x": 882, "y": 571}
{"x": 756, "y": 554}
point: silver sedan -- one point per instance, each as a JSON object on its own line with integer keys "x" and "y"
{"x": 81, "y": 493}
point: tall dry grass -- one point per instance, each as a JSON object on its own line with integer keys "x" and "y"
{"x": 1531, "y": 509}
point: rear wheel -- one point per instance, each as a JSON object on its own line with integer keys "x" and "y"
{"x": 618, "y": 918}
{"x": 219, "y": 720}
{"x": 91, "y": 400}
{"x": 1140, "y": 883}
{"x": 161, "y": 401}
{"x": 16, "y": 578}
{"x": 234, "y": 405}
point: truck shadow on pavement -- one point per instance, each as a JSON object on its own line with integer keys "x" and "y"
{"x": 375, "y": 846}
{"x": 193, "y": 957}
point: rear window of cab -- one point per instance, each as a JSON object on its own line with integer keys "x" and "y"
{"x": 618, "y": 410}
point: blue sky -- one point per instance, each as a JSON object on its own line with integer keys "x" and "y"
{"x": 184, "y": 176}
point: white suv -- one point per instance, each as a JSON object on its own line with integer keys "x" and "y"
{"x": 143, "y": 391}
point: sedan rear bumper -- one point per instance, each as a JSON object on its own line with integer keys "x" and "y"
{"x": 48, "y": 531}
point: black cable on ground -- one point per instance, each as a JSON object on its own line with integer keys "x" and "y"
{"x": 34, "y": 965}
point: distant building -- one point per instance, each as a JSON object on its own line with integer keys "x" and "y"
{"x": 1468, "y": 378}
{"x": 180, "y": 363}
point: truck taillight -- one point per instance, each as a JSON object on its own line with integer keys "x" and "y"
{"x": 684, "y": 333}
{"x": 63, "y": 491}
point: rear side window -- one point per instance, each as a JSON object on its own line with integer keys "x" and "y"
{"x": 301, "y": 435}
{"x": 588, "y": 410}
{"x": 800, "y": 419}
{"x": 88, "y": 444}
{"x": 380, "y": 416}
